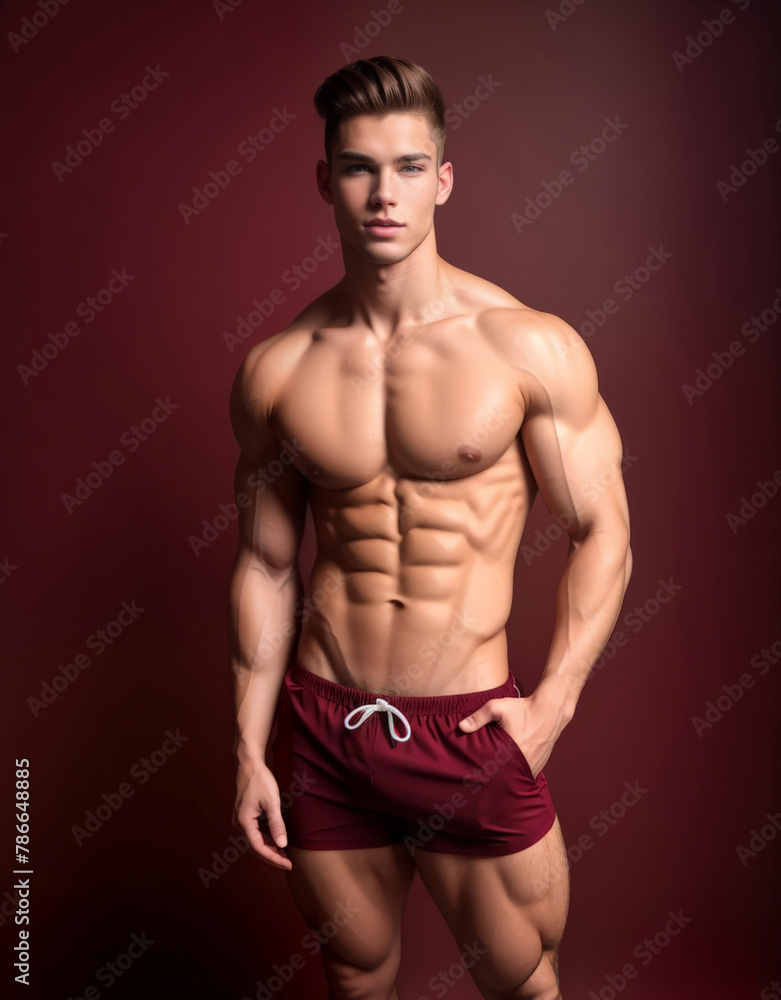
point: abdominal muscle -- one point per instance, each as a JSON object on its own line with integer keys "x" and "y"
{"x": 412, "y": 585}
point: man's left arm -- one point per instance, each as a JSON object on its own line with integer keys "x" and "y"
{"x": 575, "y": 452}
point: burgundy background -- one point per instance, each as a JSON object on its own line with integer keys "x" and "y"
{"x": 676, "y": 848}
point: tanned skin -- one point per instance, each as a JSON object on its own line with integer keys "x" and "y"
{"x": 418, "y": 409}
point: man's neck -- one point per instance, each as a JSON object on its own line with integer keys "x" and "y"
{"x": 390, "y": 297}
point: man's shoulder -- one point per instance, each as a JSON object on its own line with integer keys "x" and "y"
{"x": 548, "y": 358}
{"x": 262, "y": 371}
{"x": 511, "y": 324}
{"x": 267, "y": 359}
{"x": 540, "y": 342}
{"x": 266, "y": 365}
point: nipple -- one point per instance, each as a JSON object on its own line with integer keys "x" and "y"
{"x": 469, "y": 454}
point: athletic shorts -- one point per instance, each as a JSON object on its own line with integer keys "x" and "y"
{"x": 358, "y": 770}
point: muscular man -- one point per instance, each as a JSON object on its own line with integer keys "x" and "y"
{"x": 417, "y": 409}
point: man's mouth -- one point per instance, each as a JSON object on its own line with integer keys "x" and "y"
{"x": 384, "y": 227}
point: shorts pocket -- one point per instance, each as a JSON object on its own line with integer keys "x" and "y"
{"x": 507, "y": 738}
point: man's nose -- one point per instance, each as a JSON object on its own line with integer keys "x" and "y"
{"x": 385, "y": 190}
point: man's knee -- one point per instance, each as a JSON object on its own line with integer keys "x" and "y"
{"x": 374, "y": 979}
{"x": 526, "y": 992}
{"x": 547, "y": 993}
{"x": 519, "y": 980}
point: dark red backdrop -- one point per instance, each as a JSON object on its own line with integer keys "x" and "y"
{"x": 107, "y": 221}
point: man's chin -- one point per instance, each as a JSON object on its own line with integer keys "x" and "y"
{"x": 381, "y": 253}
{"x": 385, "y": 254}
{"x": 386, "y": 258}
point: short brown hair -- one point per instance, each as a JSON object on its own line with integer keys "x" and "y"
{"x": 379, "y": 86}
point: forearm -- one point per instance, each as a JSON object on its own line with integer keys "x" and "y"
{"x": 588, "y": 601}
{"x": 263, "y": 635}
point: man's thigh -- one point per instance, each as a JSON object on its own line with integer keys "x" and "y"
{"x": 506, "y": 913}
{"x": 353, "y": 902}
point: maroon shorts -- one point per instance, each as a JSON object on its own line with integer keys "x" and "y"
{"x": 408, "y": 776}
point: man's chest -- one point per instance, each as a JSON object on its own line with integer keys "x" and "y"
{"x": 440, "y": 406}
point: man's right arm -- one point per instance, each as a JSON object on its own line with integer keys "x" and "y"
{"x": 265, "y": 588}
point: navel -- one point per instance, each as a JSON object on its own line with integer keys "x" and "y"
{"x": 469, "y": 454}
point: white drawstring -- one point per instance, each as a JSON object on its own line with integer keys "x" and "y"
{"x": 381, "y": 705}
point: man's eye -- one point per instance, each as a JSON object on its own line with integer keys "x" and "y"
{"x": 355, "y": 168}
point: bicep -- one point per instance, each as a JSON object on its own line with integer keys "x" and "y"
{"x": 571, "y": 440}
{"x": 270, "y": 493}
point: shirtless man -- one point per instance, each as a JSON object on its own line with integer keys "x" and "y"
{"x": 417, "y": 409}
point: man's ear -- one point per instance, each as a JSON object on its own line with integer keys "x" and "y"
{"x": 323, "y": 172}
{"x": 445, "y": 183}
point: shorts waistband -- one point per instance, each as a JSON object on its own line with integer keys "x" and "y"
{"x": 448, "y": 704}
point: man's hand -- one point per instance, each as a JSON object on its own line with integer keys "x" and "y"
{"x": 533, "y": 728}
{"x": 258, "y": 795}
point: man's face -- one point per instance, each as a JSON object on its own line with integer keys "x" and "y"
{"x": 384, "y": 168}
